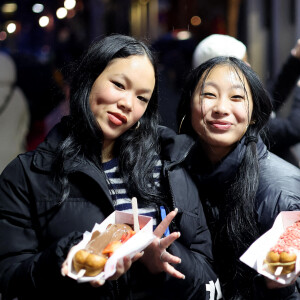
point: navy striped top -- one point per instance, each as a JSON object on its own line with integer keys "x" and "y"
{"x": 118, "y": 190}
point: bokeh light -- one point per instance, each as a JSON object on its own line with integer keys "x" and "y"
{"x": 61, "y": 13}
{"x": 195, "y": 20}
{"x": 3, "y": 35}
{"x": 184, "y": 35}
{"x": 9, "y": 8}
{"x": 37, "y": 8}
{"x": 11, "y": 27}
{"x": 44, "y": 21}
{"x": 69, "y": 4}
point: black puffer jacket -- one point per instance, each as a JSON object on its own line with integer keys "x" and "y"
{"x": 278, "y": 190}
{"x": 36, "y": 231}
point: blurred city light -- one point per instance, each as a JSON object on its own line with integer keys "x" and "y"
{"x": 8, "y": 8}
{"x": 11, "y": 27}
{"x": 183, "y": 35}
{"x": 69, "y": 4}
{"x": 3, "y": 35}
{"x": 44, "y": 21}
{"x": 61, "y": 13}
{"x": 195, "y": 20}
{"x": 37, "y": 8}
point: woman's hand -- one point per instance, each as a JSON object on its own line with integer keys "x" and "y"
{"x": 123, "y": 265}
{"x": 296, "y": 50}
{"x": 271, "y": 284}
{"x": 156, "y": 258}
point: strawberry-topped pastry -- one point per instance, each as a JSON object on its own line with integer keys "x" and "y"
{"x": 282, "y": 257}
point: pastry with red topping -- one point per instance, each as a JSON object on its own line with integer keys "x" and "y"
{"x": 281, "y": 258}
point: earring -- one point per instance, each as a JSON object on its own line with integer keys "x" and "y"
{"x": 181, "y": 124}
{"x": 252, "y": 122}
{"x": 137, "y": 125}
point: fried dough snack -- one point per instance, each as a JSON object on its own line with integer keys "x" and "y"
{"x": 281, "y": 258}
{"x": 93, "y": 257}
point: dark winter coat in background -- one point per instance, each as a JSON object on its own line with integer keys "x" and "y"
{"x": 284, "y": 132}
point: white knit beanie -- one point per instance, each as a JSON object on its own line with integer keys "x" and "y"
{"x": 218, "y": 45}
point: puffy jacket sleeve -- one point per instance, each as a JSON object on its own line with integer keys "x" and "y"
{"x": 23, "y": 266}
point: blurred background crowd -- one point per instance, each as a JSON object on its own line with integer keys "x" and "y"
{"x": 40, "y": 39}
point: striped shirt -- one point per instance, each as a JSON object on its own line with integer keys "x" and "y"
{"x": 119, "y": 194}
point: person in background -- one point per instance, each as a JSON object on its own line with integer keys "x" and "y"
{"x": 14, "y": 113}
{"x": 38, "y": 81}
{"x": 92, "y": 163}
{"x": 242, "y": 186}
{"x": 218, "y": 45}
{"x": 282, "y": 133}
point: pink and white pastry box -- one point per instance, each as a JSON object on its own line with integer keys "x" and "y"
{"x": 256, "y": 254}
{"x": 134, "y": 245}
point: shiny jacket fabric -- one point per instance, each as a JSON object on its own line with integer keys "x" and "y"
{"x": 37, "y": 231}
{"x": 279, "y": 190}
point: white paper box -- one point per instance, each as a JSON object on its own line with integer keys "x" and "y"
{"x": 135, "y": 244}
{"x": 255, "y": 255}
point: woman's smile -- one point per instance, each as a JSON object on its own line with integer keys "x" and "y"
{"x": 221, "y": 125}
{"x": 117, "y": 118}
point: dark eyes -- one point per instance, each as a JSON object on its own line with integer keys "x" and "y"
{"x": 143, "y": 99}
{"x": 208, "y": 95}
{"x": 119, "y": 85}
{"x": 211, "y": 95}
{"x": 238, "y": 97}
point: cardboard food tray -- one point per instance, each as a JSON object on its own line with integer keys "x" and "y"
{"x": 255, "y": 255}
{"x": 135, "y": 244}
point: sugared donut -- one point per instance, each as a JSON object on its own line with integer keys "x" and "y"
{"x": 281, "y": 258}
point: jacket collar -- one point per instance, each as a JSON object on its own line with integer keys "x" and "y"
{"x": 174, "y": 148}
{"x": 225, "y": 170}
{"x": 45, "y": 154}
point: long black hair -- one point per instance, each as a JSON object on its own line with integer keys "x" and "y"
{"x": 136, "y": 149}
{"x": 237, "y": 228}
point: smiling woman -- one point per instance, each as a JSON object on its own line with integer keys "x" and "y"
{"x": 243, "y": 186}
{"x": 221, "y": 110}
{"x": 120, "y": 96}
{"x": 94, "y": 162}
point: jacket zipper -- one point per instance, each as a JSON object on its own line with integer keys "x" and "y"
{"x": 117, "y": 289}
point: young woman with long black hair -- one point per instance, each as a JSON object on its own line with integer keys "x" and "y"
{"x": 92, "y": 163}
{"x": 242, "y": 186}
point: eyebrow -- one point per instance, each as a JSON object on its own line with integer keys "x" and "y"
{"x": 235, "y": 86}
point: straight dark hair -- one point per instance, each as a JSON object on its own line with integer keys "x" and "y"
{"x": 237, "y": 228}
{"x": 137, "y": 150}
